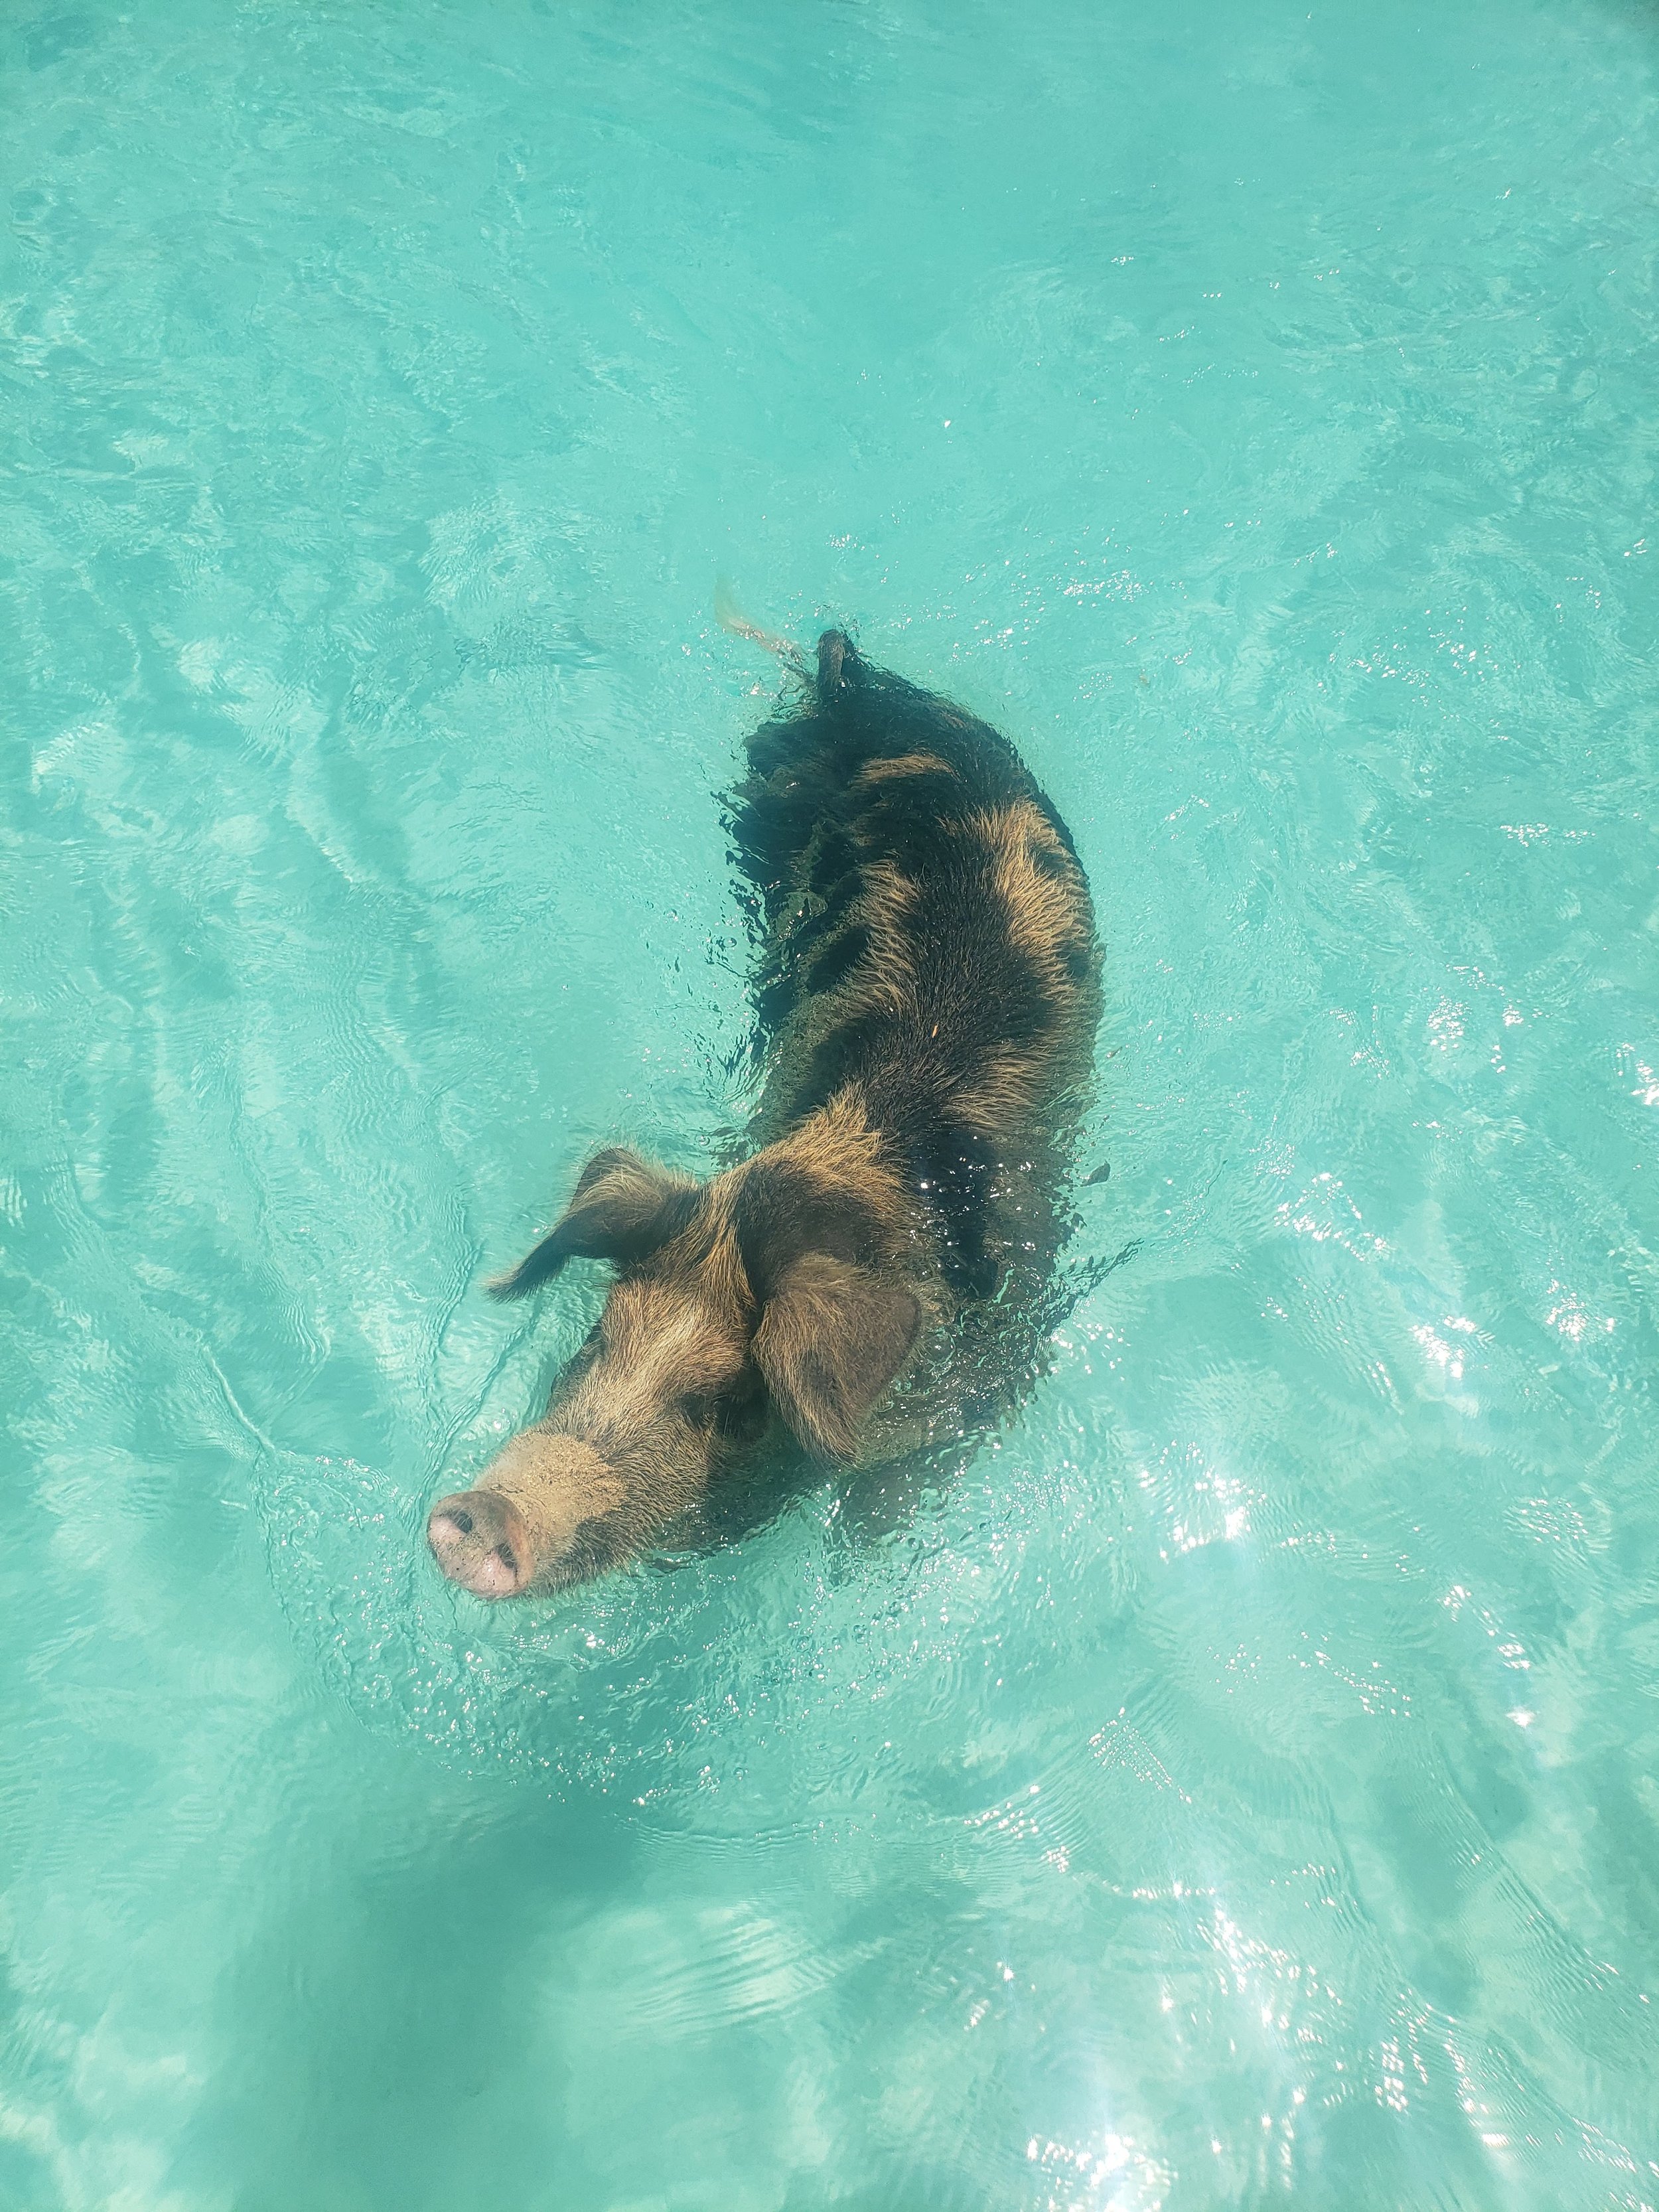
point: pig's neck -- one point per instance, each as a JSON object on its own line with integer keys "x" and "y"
{"x": 844, "y": 1149}
{"x": 936, "y": 1179}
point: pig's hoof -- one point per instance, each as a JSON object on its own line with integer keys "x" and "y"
{"x": 479, "y": 1542}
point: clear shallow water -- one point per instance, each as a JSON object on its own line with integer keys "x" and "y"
{"x": 1238, "y": 1787}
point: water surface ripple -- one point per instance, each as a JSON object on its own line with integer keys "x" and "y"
{"x": 1237, "y": 1785}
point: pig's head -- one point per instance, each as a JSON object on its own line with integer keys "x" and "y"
{"x": 774, "y": 1293}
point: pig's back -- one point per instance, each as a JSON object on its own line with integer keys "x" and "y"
{"x": 927, "y": 931}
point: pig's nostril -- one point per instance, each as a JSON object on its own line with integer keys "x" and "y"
{"x": 477, "y": 1539}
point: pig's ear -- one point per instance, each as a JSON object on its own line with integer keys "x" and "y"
{"x": 832, "y": 1336}
{"x": 622, "y": 1209}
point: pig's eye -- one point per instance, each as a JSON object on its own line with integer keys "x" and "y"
{"x": 697, "y": 1407}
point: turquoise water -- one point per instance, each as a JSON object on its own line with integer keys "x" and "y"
{"x": 1239, "y": 1786}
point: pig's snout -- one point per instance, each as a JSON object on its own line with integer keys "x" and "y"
{"x": 479, "y": 1540}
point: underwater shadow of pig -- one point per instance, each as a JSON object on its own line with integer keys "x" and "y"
{"x": 877, "y": 1279}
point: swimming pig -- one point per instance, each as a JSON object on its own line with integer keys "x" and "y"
{"x": 871, "y": 1275}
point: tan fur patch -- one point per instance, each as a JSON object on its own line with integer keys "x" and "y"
{"x": 888, "y": 898}
{"x": 877, "y": 771}
{"x": 886, "y": 976}
{"x": 720, "y": 1276}
{"x": 1001, "y": 1094}
{"x": 557, "y": 1482}
{"x": 667, "y": 1337}
{"x": 1042, "y": 905}
{"x": 836, "y": 1145}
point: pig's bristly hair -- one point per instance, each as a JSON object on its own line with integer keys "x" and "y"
{"x": 927, "y": 940}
